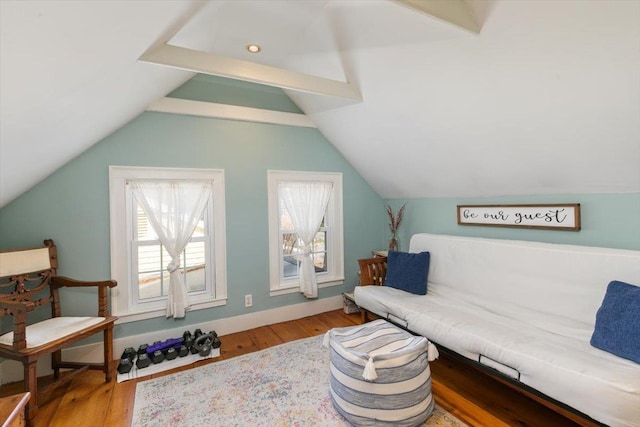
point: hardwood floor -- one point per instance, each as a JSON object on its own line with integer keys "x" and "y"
{"x": 471, "y": 396}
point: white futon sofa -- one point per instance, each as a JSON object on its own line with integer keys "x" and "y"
{"x": 526, "y": 309}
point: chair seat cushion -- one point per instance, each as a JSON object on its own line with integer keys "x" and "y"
{"x": 49, "y": 330}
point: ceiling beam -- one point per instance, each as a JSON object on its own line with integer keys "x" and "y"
{"x": 230, "y": 112}
{"x": 225, "y": 66}
{"x": 456, "y": 12}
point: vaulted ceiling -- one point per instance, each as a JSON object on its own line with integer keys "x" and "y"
{"x": 426, "y": 98}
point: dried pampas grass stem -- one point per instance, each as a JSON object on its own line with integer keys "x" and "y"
{"x": 395, "y": 220}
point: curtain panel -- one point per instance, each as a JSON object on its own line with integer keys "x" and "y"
{"x": 306, "y": 203}
{"x": 174, "y": 209}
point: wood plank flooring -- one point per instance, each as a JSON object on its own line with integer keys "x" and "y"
{"x": 473, "y": 397}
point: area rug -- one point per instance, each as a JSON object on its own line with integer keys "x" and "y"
{"x": 285, "y": 385}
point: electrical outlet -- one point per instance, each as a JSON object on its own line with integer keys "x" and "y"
{"x": 248, "y": 300}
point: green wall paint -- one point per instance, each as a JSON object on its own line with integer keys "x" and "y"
{"x": 608, "y": 220}
{"x": 235, "y": 92}
{"x": 72, "y": 205}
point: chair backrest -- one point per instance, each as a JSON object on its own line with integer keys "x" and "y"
{"x": 373, "y": 271}
{"x": 28, "y": 279}
{"x": 25, "y": 273}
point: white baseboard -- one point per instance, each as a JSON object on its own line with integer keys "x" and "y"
{"x": 11, "y": 371}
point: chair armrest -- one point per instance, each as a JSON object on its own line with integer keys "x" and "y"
{"x": 18, "y": 310}
{"x": 61, "y": 281}
{"x": 58, "y": 282}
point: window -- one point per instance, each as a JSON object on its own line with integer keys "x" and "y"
{"x": 139, "y": 260}
{"x": 150, "y": 258}
{"x": 284, "y": 245}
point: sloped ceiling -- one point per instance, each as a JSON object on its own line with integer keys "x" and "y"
{"x": 544, "y": 99}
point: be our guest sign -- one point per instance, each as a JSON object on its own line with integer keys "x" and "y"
{"x": 553, "y": 216}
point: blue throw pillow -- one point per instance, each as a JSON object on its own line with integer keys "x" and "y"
{"x": 618, "y": 321}
{"x": 408, "y": 271}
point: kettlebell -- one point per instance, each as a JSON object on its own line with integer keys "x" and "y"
{"x": 202, "y": 345}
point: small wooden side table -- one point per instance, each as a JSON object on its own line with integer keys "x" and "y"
{"x": 12, "y": 410}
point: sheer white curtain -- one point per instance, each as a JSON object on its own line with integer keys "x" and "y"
{"x": 174, "y": 209}
{"x": 306, "y": 203}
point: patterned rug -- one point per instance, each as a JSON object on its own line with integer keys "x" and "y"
{"x": 286, "y": 385}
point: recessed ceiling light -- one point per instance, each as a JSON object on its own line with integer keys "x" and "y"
{"x": 253, "y": 48}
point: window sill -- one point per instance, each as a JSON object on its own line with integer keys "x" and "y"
{"x": 150, "y": 314}
{"x": 291, "y": 290}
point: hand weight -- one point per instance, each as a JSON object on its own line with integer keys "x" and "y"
{"x": 126, "y": 360}
{"x": 170, "y": 353}
{"x": 143, "y": 361}
{"x": 204, "y": 343}
{"x": 187, "y": 339}
{"x": 215, "y": 341}
{"x": 129, "y": 353}
{"x": 125, "y": 365}
{"x": 157, "y": 357}
{"x": 183, "y": 351}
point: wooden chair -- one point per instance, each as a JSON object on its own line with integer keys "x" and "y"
{"x": 28, "y": 281}
{"x": 372, "y": 272}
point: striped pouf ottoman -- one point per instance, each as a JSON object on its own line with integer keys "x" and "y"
{"x": 380, "y": 375}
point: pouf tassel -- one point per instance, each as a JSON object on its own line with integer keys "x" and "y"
{"x": 369, "y": 373}
{"x": 432, "y": 352}
{"x": 325, "y": 341}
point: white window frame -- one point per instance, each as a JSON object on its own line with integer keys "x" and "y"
{"x": 124, "y": 301}
{"x": 333, "y": 222}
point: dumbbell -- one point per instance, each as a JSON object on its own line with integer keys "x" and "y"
{"x": 194, "y": 349}
{"x": 143, "y": 361}
{"x": 157, "y": 357}
{"x": 143, "y": 349}
{"x": 163, "y": 346}
{"x": 126, "y": 360}
{"x": 183, "y": 351}
{"x": 187, "y": 339}
{"x": 125, "y": 366}
{"x": 170, "y": 353}
{"x": 129, "y": 353}
{"x": 216, "y": 343}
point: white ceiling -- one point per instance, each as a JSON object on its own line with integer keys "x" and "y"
{"x": 545, "y": 99}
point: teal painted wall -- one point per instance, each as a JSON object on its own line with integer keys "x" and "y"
{"x": 72, "y": 205}
{"x": 235, "y": 92}
{"x": 608, "y": 220}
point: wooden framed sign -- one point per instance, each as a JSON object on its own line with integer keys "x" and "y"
{"x": 550, "y": 217}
